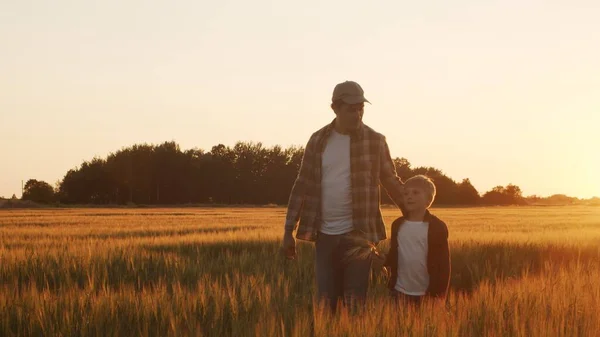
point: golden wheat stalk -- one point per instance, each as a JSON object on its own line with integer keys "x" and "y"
{"x": 362, "y": 249}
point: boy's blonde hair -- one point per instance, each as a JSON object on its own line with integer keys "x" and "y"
{"x": 425, "y": 183}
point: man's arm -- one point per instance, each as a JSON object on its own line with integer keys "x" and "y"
{"x": 297, "y": 194}
{"x": 388, "y": 176}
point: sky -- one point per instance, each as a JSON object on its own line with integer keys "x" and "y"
{"x": 495, "y": 91}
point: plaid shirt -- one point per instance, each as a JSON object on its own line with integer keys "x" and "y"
{"x": 371, "y": 166}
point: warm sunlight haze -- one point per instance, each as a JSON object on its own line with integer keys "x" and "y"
{"x": 497, "y": 91}
{"x": 170, "y": 168}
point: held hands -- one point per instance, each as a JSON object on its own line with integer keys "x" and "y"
{"x": 378, "y": 264}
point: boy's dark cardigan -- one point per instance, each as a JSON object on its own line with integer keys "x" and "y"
{"x": 438, "y": 255}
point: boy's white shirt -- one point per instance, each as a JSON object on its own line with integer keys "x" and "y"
{"x": 413, "y": 278}
{"x": 336, "y": 201}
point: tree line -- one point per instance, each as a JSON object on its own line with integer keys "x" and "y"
{"x": 247, "y": 173}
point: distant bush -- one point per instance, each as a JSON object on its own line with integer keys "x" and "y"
{"x": 11, "y": 203}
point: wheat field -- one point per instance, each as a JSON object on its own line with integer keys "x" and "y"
{"x": 516, "y": 271}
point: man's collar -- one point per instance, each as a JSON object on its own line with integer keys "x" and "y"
{"x": 358, "y": 133}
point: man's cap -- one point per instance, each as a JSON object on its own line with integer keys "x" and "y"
{"x": 349, "y": 92}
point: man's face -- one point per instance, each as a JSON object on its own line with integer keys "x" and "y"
{"x": 349, "y": 116}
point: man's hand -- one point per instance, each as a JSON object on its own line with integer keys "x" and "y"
{"x": 288, "y": 248}
{"x": 378, "y": 265}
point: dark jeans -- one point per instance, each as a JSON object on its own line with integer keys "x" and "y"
{"x": 340, "y": 277}
{"x": 406, "y": 300}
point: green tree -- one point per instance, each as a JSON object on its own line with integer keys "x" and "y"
{"x": 500, "y": 195}
{"x": 38, "y": 191}
{"x": 247, "y": 173}
{"x": 403, "y": 168}
{"x": 467, "y": 194}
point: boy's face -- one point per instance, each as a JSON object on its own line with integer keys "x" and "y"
{"x": 415, "y": 199}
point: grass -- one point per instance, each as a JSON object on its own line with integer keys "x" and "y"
{"x": 522, "y": 271}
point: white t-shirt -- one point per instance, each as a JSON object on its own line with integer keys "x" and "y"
{"x": 413, "y": 278}
{"x": 336, "y": 201}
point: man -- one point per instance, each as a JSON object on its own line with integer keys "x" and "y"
{"x": 336, "y": 197}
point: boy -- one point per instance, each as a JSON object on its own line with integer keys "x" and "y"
{"x": 419, "y": 256}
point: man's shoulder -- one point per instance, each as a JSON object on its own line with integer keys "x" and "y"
{"x": 321, "y": 132}
{"x": 369, "y": 131}
{"x": 317, "y": 136}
